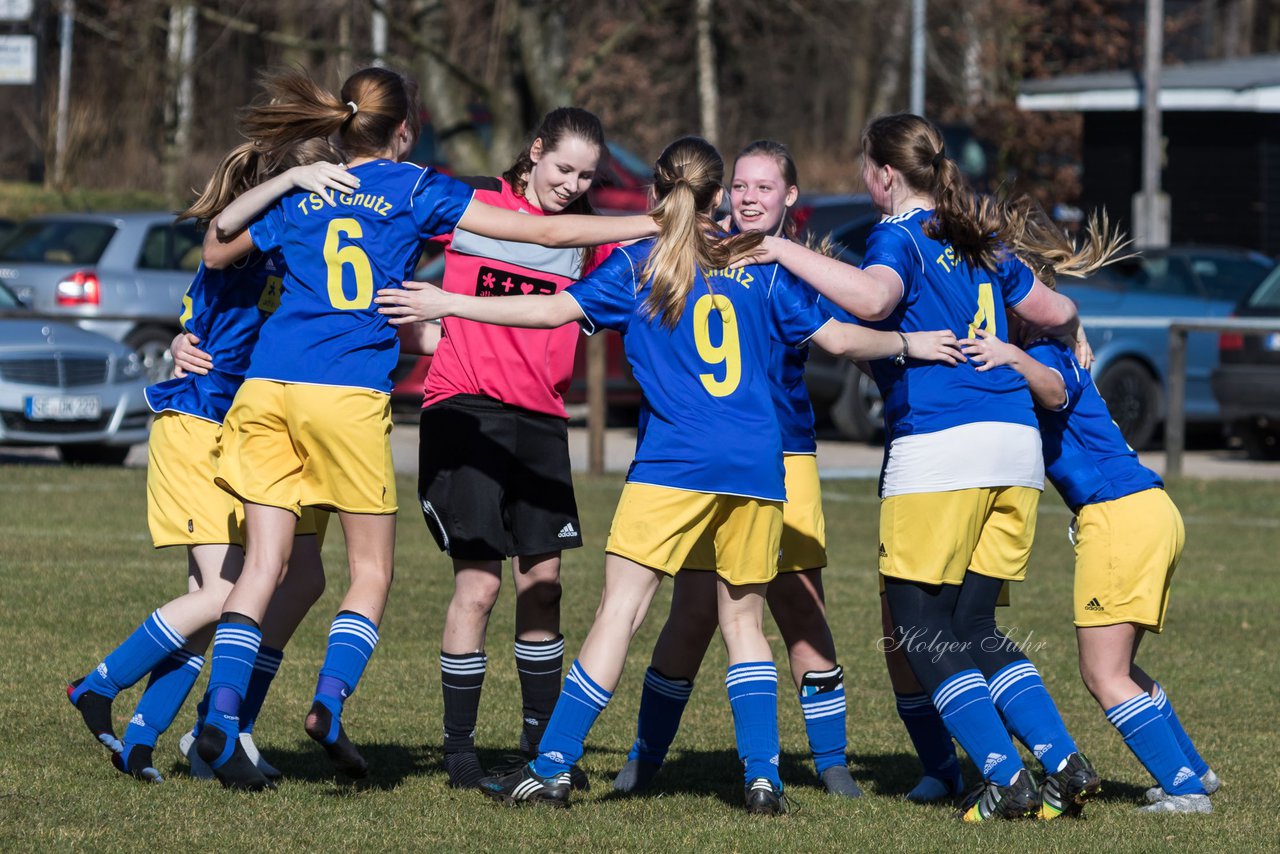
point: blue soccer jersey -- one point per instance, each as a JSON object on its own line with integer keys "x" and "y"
{"x": 1085, "y": 456}
{"x": 942, "y": 291}
{"x": 709, "y": 422}
{"x": 225, "y": 309}
{"x": 791, "y": 395}
{"x": 328, "y": 331}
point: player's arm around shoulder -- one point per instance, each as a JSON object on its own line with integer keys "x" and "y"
{"x": 418, "y": 302}
{"x": 987, "y": 351}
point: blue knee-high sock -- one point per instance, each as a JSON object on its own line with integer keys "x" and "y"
{"x": 822, "y": 701}
{"x": 1022, "y": 700}
{"x": 662, "y": 703}
{"x": 1184, "y": 741}
{"x": 1151, "y": 739}
{"x": 149, "y": 645}
{"x": 352, "y": 639}
{"x": 235, "y": 647}
{"x": 964, "y": 703}
{"x": 264, "y": 670}
{"x": 581, "y": 702}
{"x": 753, "y": 696}
{"x": 930, "y": 738}
{"x": 170, "y": 683}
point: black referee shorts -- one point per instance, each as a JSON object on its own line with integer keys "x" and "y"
{"x": 494, "y": 480}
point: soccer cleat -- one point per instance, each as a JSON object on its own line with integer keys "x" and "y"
{"x": 523, "y": 785}
{"x": 1180, "y": 804}
{"x": 931, "y": 790}
{"x": 95, "y": 709}
{"x": 577, "y": 777}
{"x": 1064, "y": 792}
{"x": 235, "y": 771}
{"x": 763, "y": 798}
{"x": 989, "y": 801}
{"x": 255, "y": 756}
{"x": 1210, "y": 782}
{"x": 635, "y": 777}
{"x": 200, "y": 769}
{"x": 137, "y": 764}
{"x": 840, "y": 782}
{"x": 342, "y": 753}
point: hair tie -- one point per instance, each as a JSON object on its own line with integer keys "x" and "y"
{"x": 939, "y": 157}
{"x": 354, "y": 107}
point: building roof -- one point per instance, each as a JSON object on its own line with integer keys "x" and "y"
{"x": 1249, "y": 84}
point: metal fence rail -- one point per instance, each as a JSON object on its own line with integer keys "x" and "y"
{"x": 1175, "y": 422}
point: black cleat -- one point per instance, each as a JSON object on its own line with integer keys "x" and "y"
{"x": 524, "y": 786}
{"x": 137, "y": 764}
{"x": 342, "y": 753}
{"x": 238, "y": 771}
{"x": 578, "y": 780}
{"x": 988, "y": 801}
{"x": 1065, "y": 792}
{"x": 763, "y": 798}
{"x": 95, "y": 709}
{"x": 635, "y": 777}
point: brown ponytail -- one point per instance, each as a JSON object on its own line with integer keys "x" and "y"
{"x": 686, "y": 181}
{"x": 983, "y": 230}
{"x": 365, "y": 115}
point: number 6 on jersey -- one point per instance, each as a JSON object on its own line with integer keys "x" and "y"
{"x": 336, "y": 257}
{"x": 727, "y": 352}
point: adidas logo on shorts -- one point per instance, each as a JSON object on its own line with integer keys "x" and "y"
{"x": 1094, "y": 605}
{"x": 568, "y": 531}
{"x": 883, "y": 551}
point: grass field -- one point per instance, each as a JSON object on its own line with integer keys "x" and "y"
{"x": 77, "y": 573}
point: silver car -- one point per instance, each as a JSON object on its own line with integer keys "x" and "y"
{"x": 65, "y": 386}
{"x": 120, "y": 274}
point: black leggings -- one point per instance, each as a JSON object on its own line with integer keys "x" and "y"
{"x": 974, "y": 622}
{"x": 922, "y": 629}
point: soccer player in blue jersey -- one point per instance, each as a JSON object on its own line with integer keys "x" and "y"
{"x": 310, "y": 426}
{"x": 224, "y": 310}
{"x": 963, "y": 471}
{"x": 1128, "y": 537}
{"x": 708, "y": 460}
{"x": 763, "y": 188}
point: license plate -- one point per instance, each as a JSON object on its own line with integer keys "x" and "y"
{"x": 86, "y": 407}
{"x": 1273, "y": 341}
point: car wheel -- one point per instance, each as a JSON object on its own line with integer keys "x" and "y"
{"x": 1133, "y": 398}
{"x": 1260, "y": 441}
{"x": 858, "y": 411}
{"x": 151, "y": 343}
{"x": 94, "y": 455}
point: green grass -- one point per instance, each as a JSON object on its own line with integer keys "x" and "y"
{"x": 77, "y": 573}
{"x": 21, "y": 200}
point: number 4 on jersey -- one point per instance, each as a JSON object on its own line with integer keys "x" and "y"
{"x": 985, "y": 316}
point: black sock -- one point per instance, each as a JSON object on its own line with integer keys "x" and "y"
{"x": 540, "y": 665}
{"x": 461, "y": 678}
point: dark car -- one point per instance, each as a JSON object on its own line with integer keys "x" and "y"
{"x": 1247, "y": 379}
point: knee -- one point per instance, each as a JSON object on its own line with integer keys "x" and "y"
{"x": 305, "y": 583}
{"x": 543, "y": 595}
{"x": 476, "y": 595}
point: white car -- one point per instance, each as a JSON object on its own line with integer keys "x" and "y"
{"x": 65, "y": 386}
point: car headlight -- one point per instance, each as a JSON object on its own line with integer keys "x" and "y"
{"x": 131, "y": 367}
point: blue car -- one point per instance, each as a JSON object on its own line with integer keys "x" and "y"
{"x": 1126, "y": 308}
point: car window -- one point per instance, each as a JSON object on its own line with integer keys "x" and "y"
{"x": 168, "y": 247}
{"x": 1229, "y": 279}
{"x": 1158, "y": 275}
{"x": 1268, "y": 293}
{"x": 58, "y": 242}
{"x": 851, "y": 240}
{"x": 8, "y": 299}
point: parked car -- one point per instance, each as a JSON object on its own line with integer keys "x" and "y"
{"x": 1247, "y": 379}
{"x": 120, "y": 274}
{"x": 1126, "y": 308}
{"x": 65, "y": 386}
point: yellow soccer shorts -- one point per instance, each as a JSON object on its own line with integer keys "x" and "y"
{"x": 658, "y": 527}
{"x": 293, "y": 445}
{"x": 935, "y": 537}
{"x": 184, "y": 505}
{"x": 1126, "y": 552}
